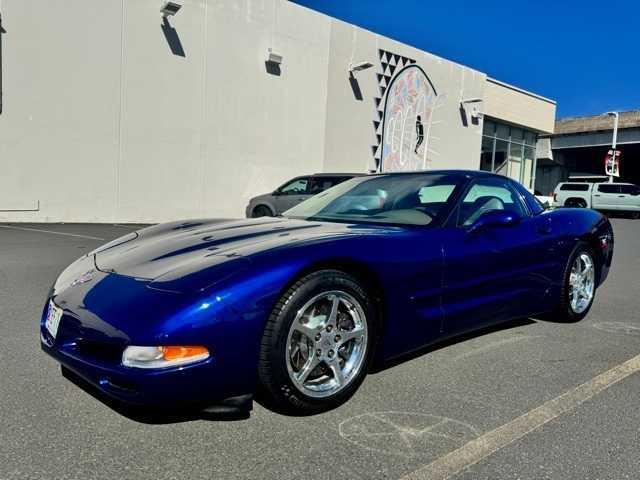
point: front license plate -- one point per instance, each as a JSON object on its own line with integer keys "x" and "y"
{"x": 54, "y": 314}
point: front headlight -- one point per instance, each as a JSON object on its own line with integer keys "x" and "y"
{"x": 162, "y": 357}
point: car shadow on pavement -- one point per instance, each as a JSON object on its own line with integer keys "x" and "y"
{"x": 382, "y": 366}
{"x": 154, "y": 416}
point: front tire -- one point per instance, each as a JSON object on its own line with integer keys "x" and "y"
{"x": 317, "y": 344}
{"x": 579, "y": 285}
{"x": 261, "y": 211}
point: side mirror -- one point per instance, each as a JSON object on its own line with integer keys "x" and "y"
{"x": 495, "y": 219}
{"x": 275, "y": 193}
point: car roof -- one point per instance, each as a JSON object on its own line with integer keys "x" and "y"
{"x": 462, "y": 172}
{"x": 466, "y": 173}
{"x": 337, "y": 175}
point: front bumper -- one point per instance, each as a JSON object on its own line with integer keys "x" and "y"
{"x": 95, "y": 355}
{"x": 186, "y": 385}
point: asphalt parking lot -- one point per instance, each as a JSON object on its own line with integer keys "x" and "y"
{"x": 466, "y": 397}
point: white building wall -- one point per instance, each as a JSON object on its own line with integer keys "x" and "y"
{"x": 106, "y": 120}
{"x": 102, "y": 123}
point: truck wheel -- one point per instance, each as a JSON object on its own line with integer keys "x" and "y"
{"x": 575, "y": 203}
{"x": 262, "y": 211}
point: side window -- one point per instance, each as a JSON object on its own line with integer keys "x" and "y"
{"x": 608, "y": 188}
{"x": 575, "y": 187}
{"x": 339, "y": 180}
{"x": 435, "y": 194}
{"x": 295, "y": 187}
{"x": 320, "y": 184}
{"x": 630, "y": 189}
{"x": 487, "y": 195}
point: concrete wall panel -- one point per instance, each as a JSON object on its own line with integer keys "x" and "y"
{"x": 59, "y": 128}
{"x": 112, "y": 117}
{"x": 513, "y": 105}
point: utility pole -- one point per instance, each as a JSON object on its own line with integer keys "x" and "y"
{"x": 616, "y": 118}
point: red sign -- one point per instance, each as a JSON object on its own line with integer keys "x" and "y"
{"x": 612, "y": 163}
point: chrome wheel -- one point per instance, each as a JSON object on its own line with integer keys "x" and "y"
{"x": 327, "y": 344}
{"x": 581, "y": 283}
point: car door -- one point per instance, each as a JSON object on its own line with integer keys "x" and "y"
{"x": 629, "y": 197}
{"x": 605, "y": 196}
{"x": 495, "y": 273}
{"x": 291, "y": 193}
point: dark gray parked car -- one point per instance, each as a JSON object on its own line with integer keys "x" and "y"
{"x": 294, "y": 192}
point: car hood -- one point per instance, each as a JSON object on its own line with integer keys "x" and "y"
{"x": 264, "y": 196}
{"x": 206, "y": 250}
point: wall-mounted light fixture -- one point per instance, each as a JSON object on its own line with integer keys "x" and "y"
{"x": 274, "y": 57}
{"x": 169, "y": 9}
{"x": 476, "y": 113}
{"x": 358, "y": 67}
{"x": 273, "y": 63}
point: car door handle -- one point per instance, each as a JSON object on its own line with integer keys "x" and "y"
{"x": 596, "y": 195}
{"x": 622, "y": 196}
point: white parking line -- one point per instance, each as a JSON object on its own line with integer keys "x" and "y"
{"x": 52, "y": 232}
{"x": 489, "y": 443}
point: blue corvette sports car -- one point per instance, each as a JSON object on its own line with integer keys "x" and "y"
{"x": 208, "y": 313}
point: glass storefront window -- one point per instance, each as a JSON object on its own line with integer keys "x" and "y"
{"x": 529, "y": 161}
{"x": 509, "y": 151}
{"x": 486, "y": 156}
{"x": 517, "y": 135}
{"x": 502, "y": 131}
{"x": 502, "y": 149}
{"x": 530, "y": 138}
{"x": 489, "y": 128}
{"x": 515, "y": 161}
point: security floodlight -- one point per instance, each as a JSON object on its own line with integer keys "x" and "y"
{"x": 171, "y": 8}
{"x": 476, "y": 113}
{"x": 274, "y": 58}
{"x": 358, "y": 67}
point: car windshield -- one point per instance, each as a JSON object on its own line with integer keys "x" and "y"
{"x": 416, "y": 199}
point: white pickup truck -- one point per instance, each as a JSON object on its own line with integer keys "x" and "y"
{"x": 622, "y": 197}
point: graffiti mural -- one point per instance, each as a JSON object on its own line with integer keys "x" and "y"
{"x": 407, "y": 120}
{"x": 404, "y": 114}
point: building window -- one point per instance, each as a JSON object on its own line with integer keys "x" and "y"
{"x": 509, "y": 151}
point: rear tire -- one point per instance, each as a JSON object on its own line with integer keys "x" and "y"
{"x": 577, "y": 296}
{"x": 575, "y": 203}
{"x": 261, "y": 211}
{"x": 317, "y": 345}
